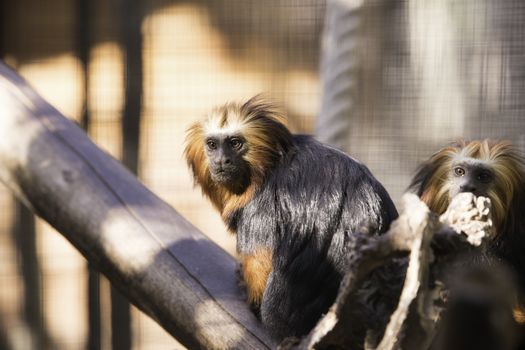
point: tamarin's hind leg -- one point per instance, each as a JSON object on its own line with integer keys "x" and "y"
{"x": 255, "y": 270}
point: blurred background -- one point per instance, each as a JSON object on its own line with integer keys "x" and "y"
{"x": 387, "y": 81}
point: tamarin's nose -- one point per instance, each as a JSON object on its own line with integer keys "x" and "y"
{"x": 468, "y": 187}
{"x": 222, "y": 161}
{"x": 222, "y": 158}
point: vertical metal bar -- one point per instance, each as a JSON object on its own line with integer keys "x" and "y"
{"x": 24, "y": 235}
{"x": 131, "y": 41}
{"x": 84, "y": 41}
{"x": 94, "y": 323}
{"x": 3, "y": 8}
{"x": 131, "y": 13}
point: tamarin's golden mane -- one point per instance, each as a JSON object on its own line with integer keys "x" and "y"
{"x": 263, "y": 128}
{"x": 431, "y": 180}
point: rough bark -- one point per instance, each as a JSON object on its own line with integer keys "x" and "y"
{"x": 430, "y": 241}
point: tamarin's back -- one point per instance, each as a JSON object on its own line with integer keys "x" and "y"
{"x": 311, "y": 202}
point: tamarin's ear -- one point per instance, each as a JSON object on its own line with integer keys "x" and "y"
{"x": 430, "y": 180}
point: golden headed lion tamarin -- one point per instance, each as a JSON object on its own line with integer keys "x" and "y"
{"x": 292, "y": 203}
{"x": 494, "y": 169}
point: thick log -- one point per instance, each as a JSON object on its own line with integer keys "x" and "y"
{"x": 163, "y": 264}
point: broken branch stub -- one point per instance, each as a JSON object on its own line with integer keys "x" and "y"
{"x": 414, "y": 323}
{"x": 406, "y": 232}
{"x": 470, "y": 215}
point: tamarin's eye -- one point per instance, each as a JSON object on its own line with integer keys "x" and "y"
{"x": 484, "y": 177}
{"x": 211, "y": 144}
{"x": 459, "y": 171}
{"x": 235, "y": 143}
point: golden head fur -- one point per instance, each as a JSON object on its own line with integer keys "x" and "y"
{"x": 506, "y": 162}
{"x": 262, "y": 126}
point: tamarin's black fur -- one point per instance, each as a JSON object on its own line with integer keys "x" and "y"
{"x": 292, "y": 203}
{"x": 312, "y": 201}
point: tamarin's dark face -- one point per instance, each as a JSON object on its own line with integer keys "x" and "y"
{"x": 483, "y": 167}
{"x": 470, "y": 175}
{"x": 232, "y": 150}
{"x": 225, "y": 156}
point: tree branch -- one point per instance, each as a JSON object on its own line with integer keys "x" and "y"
{"x": 417, "y": 231}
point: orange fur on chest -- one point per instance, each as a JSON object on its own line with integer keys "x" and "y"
{"x": 518, "y": 312}
{"x": 232, "y": 202}
{"x": 255, "y": 268}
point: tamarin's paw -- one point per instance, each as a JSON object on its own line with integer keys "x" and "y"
{"x": 256, "y": 309}
{"x": 289, "y": 343}
{"x": 240, "y": 279}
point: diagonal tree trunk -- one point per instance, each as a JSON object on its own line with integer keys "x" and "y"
{"x": 158, "y": 260}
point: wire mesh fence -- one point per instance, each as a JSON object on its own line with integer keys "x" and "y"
{"x": 421, "y": 74}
